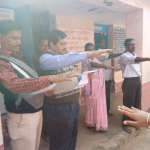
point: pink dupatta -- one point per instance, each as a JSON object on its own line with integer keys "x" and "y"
{"x": 95, "y": 85}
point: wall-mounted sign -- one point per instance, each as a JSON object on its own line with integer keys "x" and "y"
{"x": 100, "y": 28}
{"x": 6, "y": 14}
{"x": 119, "y": 38}
{"x": 77, "y": 38}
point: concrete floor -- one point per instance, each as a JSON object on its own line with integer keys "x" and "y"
{"x": 140, "y": 142}
{"x": 113, "y": 139}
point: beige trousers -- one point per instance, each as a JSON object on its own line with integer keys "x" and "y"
{"x": 25, "y": 130}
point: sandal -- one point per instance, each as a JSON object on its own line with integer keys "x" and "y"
{"x": 127, "y": 129}
{"x": 92, "y": 129}
{"x": 46, "y": 138}
{"x": 110, "y": 114}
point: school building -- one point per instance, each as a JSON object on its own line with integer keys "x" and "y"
{"x": 84, "y": 21}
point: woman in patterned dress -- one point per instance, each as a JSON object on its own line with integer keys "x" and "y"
{"x": 94, "y": 94}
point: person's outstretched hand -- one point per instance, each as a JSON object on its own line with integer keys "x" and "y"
{"x": 63, "y": 77}
{"x": 109, "y": 50}
{"x": 139, "y": 116}
{"x": 49, "y": 93}
{"x": 111, "y": 67}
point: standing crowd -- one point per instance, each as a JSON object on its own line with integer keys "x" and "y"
{"x": 56, "y": 114}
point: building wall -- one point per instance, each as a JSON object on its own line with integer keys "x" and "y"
{"x": 134, "y": 29}
{"x": 146, "y": 44}
{"x": 137, "y": 27}
{"x": 138, "y": 24}
{"x": 146, "y": 53}
{"x": 136, "y": 3}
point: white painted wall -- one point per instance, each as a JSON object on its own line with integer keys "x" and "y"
{"x": 71, "y": 8}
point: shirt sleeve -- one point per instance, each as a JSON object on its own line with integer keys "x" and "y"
{"x": 49, "y": 62}
{"x": 80, "y": 77}
{"x": 124, "y": 59}
{"x": 10, "y": 80}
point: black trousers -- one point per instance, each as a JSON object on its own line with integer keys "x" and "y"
{"x": 62, "y": 123}
{"x": 107, "y": 85}
{"x": 131, "y": 88}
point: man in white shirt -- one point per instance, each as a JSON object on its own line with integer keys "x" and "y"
{"x": 108, "y": 72}
{"x": 131, "y": 87}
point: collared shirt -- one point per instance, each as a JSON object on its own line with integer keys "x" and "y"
{"x": 57, "y": 61}
{"x": 10, "y": 80}
{"x": 105, "y": 61}
{"x": 129, "y": 68}
{"x": 8, "y": 53}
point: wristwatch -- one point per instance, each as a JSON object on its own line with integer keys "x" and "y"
{"x": 105, "y": 67}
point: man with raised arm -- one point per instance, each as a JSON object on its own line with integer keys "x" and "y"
{"x": 108, "y": 72}
{"x": 62, "y": 109}
{"x": 131, "y": 87}
{"x": 17, "y": 81}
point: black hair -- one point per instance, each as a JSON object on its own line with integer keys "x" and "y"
{"x": 55, "y": 36}
{"x": 126, "y": 42}
{"x": 100, "y": 39}
{"x": 88, "y": 45}
{"x": 39, "y": 39}
{"x": 7, "y": 26}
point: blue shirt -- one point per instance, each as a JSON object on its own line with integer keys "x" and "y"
{"x": 57, "y": 61}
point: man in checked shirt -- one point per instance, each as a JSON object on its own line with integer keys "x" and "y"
{"x": 17, "y": 80}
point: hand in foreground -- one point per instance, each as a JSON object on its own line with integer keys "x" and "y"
{"x": 63, "y": 77}
{"x": 90, "y": 75}
{"x": 49, "y": 93}
{"x": 139, "y": 116}
{"x": 111, "y": 67}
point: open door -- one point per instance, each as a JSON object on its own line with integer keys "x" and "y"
{"x": 97, "y": 35}
{"x": 42, "y": 24}
{"x": 23, "y": 17}
{"x": 33, "y": 26}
